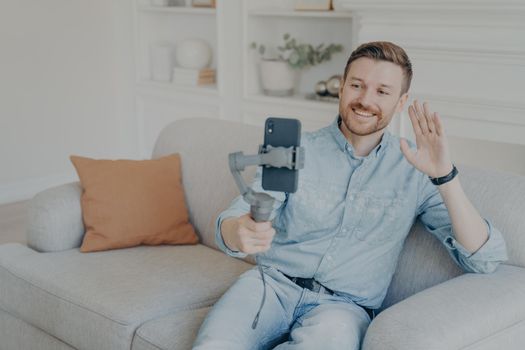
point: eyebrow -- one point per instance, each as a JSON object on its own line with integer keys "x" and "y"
{"x": 382, "y": 85}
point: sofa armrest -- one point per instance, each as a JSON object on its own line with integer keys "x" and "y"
{"x": 472, "y": 311}
{"x": 55, "y": 219}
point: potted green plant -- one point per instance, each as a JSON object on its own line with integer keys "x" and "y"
{"x": 278, "y": 70}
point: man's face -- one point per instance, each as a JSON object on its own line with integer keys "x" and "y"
{"x": 370, "y": 96}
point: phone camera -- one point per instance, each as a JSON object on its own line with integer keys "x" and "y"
{"x": 270, "y": 127}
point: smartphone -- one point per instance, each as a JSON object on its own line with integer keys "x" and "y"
{"x": 281, "y": 132}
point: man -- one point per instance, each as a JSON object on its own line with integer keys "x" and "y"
{"x": 334, "y": 244}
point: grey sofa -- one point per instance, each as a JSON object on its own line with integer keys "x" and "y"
{"x": 54, "y": 297}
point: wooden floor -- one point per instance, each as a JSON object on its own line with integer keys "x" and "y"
{"x": 12, "y": 222}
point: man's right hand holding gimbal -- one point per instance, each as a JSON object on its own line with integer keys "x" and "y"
{"x": 247, "y": 236}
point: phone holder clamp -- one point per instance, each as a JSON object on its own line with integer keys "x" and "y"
{"x": 261, "y": 204}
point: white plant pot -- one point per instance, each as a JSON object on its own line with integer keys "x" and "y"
{"x": 277, "y": 78}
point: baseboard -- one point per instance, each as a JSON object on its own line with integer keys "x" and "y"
{"x": 25, "y": 189}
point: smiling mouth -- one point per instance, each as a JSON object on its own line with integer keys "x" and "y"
{"x": 363, "y": 114}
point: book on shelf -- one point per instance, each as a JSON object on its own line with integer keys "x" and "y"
{"x": 193, "y": 77}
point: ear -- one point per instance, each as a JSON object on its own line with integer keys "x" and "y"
{"x": 341, "y": 84}
{"x": 401, "y": 103}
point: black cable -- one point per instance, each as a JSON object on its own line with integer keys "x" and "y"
{"x": 256, "y": 319}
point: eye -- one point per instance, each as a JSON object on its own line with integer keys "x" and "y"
{"x": 383, "y": 92}
{"x": 355, "y": 86}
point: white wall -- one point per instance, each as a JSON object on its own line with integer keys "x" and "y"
{"x": 65, "y": 87}
{"x": 67, "y": 82}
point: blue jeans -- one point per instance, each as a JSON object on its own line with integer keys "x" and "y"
{"x": 292, "y": 317}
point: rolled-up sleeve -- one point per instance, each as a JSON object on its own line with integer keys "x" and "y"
{"x": 239, "y": 207}
{"x": 434, "y": 216}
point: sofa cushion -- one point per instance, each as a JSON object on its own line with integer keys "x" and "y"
{"x": 126, "y": 203}
{"x": 98, "y": 300}
{"x": 173, "y": 332}
{"x": 16, "y": 334}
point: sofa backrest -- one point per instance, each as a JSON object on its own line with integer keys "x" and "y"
{"x": 204, "y": 145}
{"x": 499, "y": 197}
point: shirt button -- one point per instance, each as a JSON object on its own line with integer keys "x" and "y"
{"x": 329, "y": 258}
{"x": 351, "y": 197}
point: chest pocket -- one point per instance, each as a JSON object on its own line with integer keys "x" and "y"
{"x": 382, "y": 218}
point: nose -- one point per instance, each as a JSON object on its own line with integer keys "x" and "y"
{"x": 365, "y": 98}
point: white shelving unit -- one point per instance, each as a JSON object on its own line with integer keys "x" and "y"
{"x": 160, "y": 102}
{"x": 449, "y": 48}
{"x": 170, "y": 25}
{"x": 229, "y": 29}
{"x": 265, "y": 22}
{"x": 269, "y": 12}
{"x": 181, "y": 10}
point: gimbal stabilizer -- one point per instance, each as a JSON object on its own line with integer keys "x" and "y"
{"x": 261, "y": 204}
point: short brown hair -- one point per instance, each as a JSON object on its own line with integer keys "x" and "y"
{"x": 384, "y": 51}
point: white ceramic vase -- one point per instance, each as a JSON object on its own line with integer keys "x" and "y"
{"x": 277, "y": 78}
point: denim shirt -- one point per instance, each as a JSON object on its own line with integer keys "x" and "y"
{"x": 346, "y": 224}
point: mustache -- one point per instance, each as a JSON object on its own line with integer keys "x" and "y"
{"x": 358, "y": 105}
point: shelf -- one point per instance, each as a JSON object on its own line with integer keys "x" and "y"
{"x": 178, "y": 10}
{"x": 150, "y": 86}
{"x": 301, "y": 14}
{"x": 298, "y": 100}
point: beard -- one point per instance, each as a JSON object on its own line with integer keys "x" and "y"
{"x": 363, "y": 126}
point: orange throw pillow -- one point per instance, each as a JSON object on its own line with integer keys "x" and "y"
{"x": 127, "y": 203}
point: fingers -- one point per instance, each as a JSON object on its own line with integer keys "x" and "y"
{"x": 257, "y": 235}
{"x": 254, "y": 237}
{"x": 440, "y": 130}
{"x": 429, "y": 118}
{"x": 421, "y": 118}
{"x": 424, "y": 117}
{"x": 414, "y": 120}
{"x": 249, "y": 223}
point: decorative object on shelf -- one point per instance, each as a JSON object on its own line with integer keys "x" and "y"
{"x": 161, "y": 61}
{"x": 313, "y": 5}
{"x": 328, "y": 88}
{"x": 193, "y": 77}
{"x": 300, "y": 55}
{"x": 275, "y": 69}
{"x": 333, "y": 84}
{"x": 277, "y": 77}
{"x": 203, "y": 3}
{"x": 193, "y": 53}
{"x": 320, "y": 88}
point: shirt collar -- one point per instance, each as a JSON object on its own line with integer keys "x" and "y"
{"x": 344, "y": 145}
